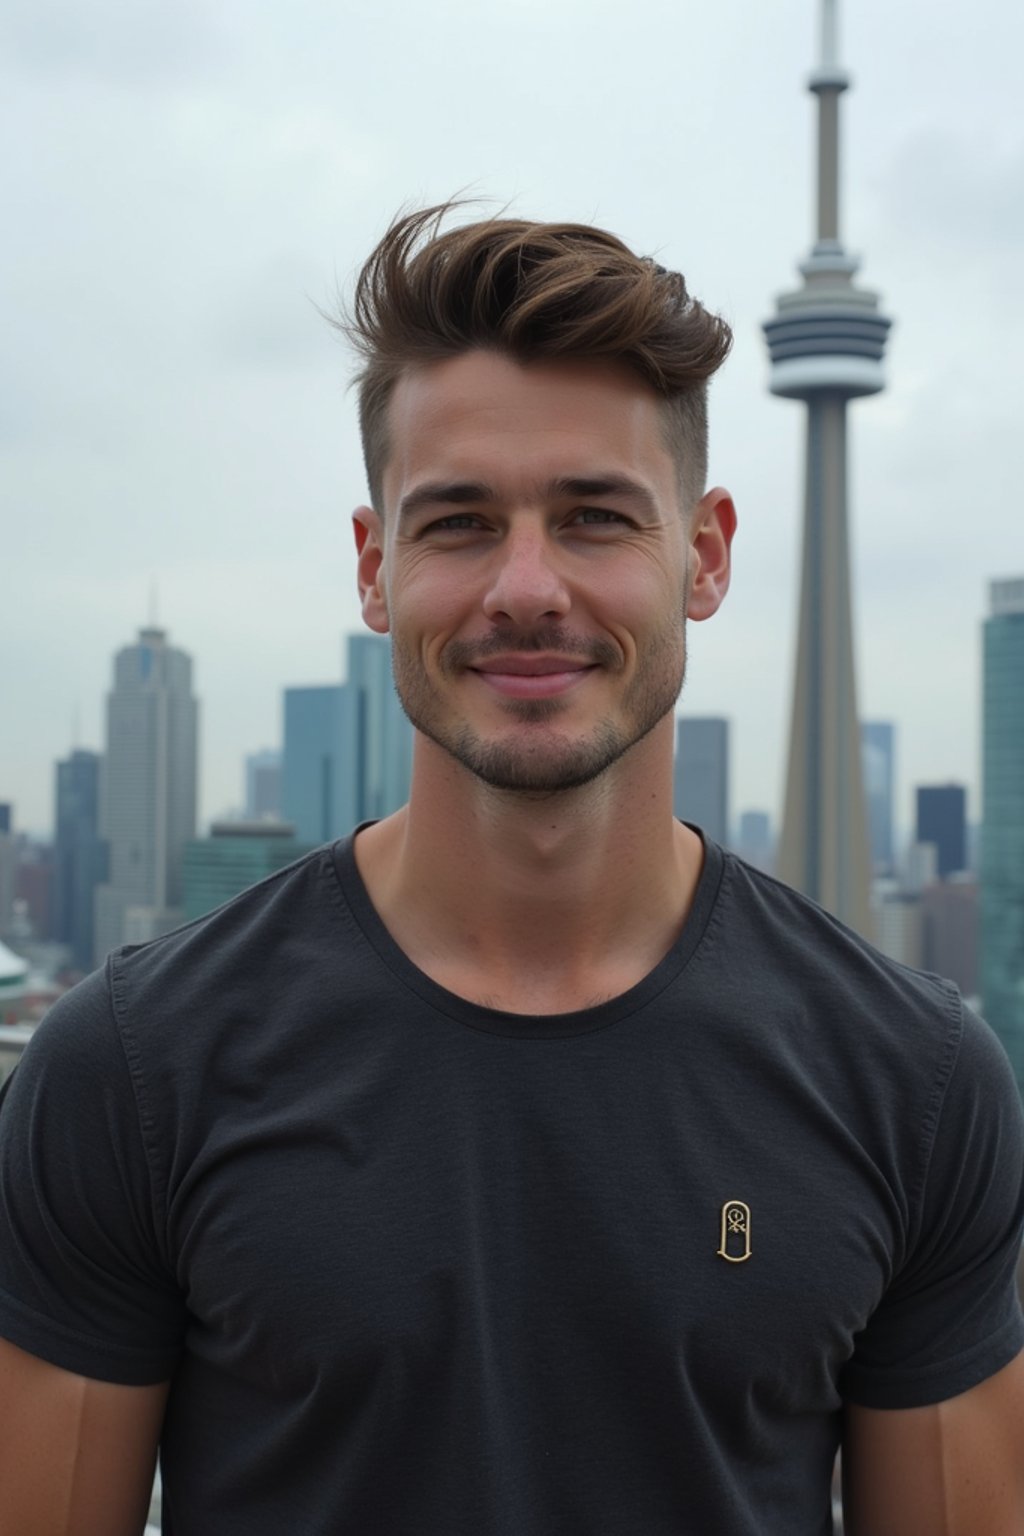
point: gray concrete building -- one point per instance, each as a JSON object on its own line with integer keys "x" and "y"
{"x": 263, "y": 784}
{"x": 826, "y": 343}
{"x": 149, "y": 794}
{"x": 701, "y": 788}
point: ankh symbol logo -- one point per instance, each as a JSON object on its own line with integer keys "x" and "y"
{"x": 734, "y": 1245}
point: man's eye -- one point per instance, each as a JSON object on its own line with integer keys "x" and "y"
{"x": 599, "y": 515}
{"x": 458, "y": 522}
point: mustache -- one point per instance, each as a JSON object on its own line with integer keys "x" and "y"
{"x": 460, "y": 654}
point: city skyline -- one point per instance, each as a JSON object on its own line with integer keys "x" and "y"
{"x": 339, "y": 723}
{"x": 178, "y": 408}
{"x": 235, "y": 806}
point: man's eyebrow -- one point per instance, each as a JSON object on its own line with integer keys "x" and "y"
{"x": 444, "y": 493}
{"x": 461, "y": 493}
{"x": 604, "y": 485}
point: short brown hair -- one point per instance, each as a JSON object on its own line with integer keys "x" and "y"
{"x": 533, "y": 292}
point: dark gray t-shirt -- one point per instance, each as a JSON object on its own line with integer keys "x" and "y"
{"x": 426, "y": 1268}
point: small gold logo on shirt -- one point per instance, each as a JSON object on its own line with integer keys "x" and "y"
{"x": 735, "y": 1244}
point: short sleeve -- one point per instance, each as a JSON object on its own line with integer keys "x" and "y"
{"x": 83, "y": 1282}
{"x": 952, "y": 1316}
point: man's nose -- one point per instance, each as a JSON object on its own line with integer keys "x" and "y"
{"x": 527, "y": 582}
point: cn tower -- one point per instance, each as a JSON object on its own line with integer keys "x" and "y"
{"x": 826, "y": 342}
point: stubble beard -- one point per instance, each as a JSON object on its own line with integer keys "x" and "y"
{"x": 556, "y": 762}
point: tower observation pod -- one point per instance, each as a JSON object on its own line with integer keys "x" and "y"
{"x": 826, "y": 343}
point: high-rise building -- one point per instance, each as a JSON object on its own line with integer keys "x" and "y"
{"x": 826, "y": 343}
{"x": 148, "y": 806}
{"x": 1002, "y": 825}
{"x": 942, "y": 820}
{"x": 263, "y": 785}
{"x": 347, "y": 747}
{"x": 878, "y": 765}
{"x": 234, "y": 856}
{"x": 80, "y": 854}
{"x": 702, "y": 774}
{"x": 376, "y": 742}
{"x": 310, "y": 793}
{"x": 949, "y": 911}
{"x": 8, "y": 868}
{"x": 33, "y": 888}
{"x": 898, "y": 922}
{"x": 754, "y": 842}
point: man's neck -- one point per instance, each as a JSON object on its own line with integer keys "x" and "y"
{"x": 535, "y": 904}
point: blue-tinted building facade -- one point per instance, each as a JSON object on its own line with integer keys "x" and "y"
{"x": 701, "y": 788}
{"x": 235, "y": 856}
{"x": 1002, "y": 830}
{"x": 263, "y": 785}
{"x": 310, "y": 793}
{"x": 878, "y": 765}
{"x": 79, "y": 855}
{"x": 942, "y": 820}
{"x": 347, "y": 748}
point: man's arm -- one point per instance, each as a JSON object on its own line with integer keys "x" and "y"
{"x": 76, "y": 1455}
{"x": 949, "y": 1469}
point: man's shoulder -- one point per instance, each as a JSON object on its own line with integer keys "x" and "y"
{"x": 806, "y": 963}
{"x": 268, "y": 939}
{"x": 797, "y": 924}
{"x": 271, "y": 935}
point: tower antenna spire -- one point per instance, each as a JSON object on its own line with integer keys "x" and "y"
{"x": 826, "y": 342}
{"x": 829, "y": 34}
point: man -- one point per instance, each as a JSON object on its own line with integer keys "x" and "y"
{"x": 525, "y": 1164}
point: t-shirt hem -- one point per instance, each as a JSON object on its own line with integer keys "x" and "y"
{"x": 99, "y": 1359}
{"x": 937, "y": 1382}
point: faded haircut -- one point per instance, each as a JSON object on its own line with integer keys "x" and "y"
{"x": 533, "y": 292}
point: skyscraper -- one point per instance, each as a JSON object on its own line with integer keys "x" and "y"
{"x": 942, "y": 820}
{"x": 949, "y": 913}
{"x": 878, "y": 763}
{"x": 149, "y": 795}
{"x": 754, "y": 842}
{"x": 826, "y": 344}
{"x": 310, "y": 793}
{"x": 8, "y": 867}
{"x": 80, "y": 854}
{"x": 347, "y": 747}
{"x": 263, "y": 784}
{"x": 1002, "y": 826}
{"x": 702, "y": 774}
{"x": 376, "y": 742}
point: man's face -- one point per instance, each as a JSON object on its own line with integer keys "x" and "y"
{"x": 531, "y": 565}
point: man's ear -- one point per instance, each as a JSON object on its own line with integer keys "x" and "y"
{"x": 712, "y": 526}
{"x": 370, "y": 569}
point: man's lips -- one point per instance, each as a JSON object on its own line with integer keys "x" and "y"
{"x": 531, "y": 676}
{"x": 524, "y": 665}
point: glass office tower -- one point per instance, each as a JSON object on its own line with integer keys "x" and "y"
{"x": 1002, "y": 831}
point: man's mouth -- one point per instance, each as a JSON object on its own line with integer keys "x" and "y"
{"x": 531, "y": 676}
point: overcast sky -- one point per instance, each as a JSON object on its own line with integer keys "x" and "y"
{"x": 184, "y": 184}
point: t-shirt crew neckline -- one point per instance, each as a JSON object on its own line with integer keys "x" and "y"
{"x": 497, "y": 1021}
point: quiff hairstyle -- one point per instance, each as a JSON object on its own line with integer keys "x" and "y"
{"x": 532, "y": 292}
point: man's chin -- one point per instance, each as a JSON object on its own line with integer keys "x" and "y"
{"x": 549, "y": 768}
